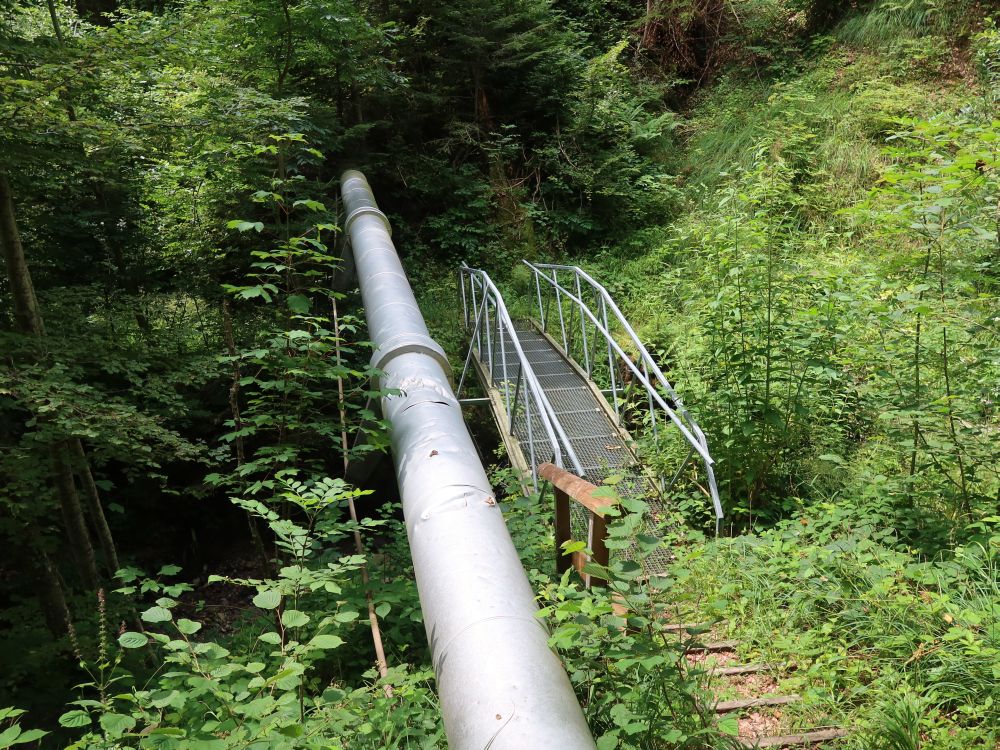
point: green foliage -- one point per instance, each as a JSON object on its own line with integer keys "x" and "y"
{"x": 605, "y": 167}
{"x": 829, "y": 330}
{"x": 936, "y": 206}
{"x": 892, "y": 22}
{"x": 279, "y": 689}
{"x": 809, "y": 245}
{"x": 903, "y": 648}
{"x": 287, "y": 374}
{"x": 630, "y": 671}
{"x": 988, "y": 57}
{"x": 11, "y": 733}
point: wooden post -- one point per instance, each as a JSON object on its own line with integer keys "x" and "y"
{"x": 566, "y": 486}
{"x": 562, "y": 530}
{"x": 598, "y": 546}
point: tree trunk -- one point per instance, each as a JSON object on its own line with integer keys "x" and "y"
{"x": 50, "y": 593}
{"x": 28, "y": 320}
{"x": 95, "y": 10}
{"x": 76, "y": 524}
{"x": 45, "y": 581}
{"x": 55, "y": 20}
{"x": 234, "y": 407}
{"x": 94, "y": 507}
{"x": 27, "y": 316}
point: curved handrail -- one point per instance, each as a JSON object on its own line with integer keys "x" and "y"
{"x": 677, "y": 414}
{"x": 489, "y": 296}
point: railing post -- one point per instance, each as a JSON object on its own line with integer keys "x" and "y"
{"x": 538, "y": 291}
{"x": 583, "y": 328}
{"x": 531, "y": 441}
{"x": 475, "y": 306}
{"x": 503, "y": 360}
{"x": 611, "y": 361}
{"x": 562, "y": 530}
{"x": 512, "y": 414}
{"x": 465, "y": 302}
{"x": 562, "y": 320}
{"x": 649, "y": 398}
{"x": 468, "y": 356}
{"x": 566, "y": 487}
{"x": 598, "y": 546}
{"x": 489, "y": 338}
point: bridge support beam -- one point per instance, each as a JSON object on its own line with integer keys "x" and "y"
{"x": 499, "y": 683}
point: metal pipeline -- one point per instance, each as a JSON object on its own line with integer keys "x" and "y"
{"x": 500, "y": 685}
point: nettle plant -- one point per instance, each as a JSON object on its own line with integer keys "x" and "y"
{"x": 278, "y": 689}
{"x": 302, "y": 379}
{"x": 936, "y": 210}
{"x": 283, "y": 680}
{"x": 628, "y": 668}
{"x": 11, "y": 732}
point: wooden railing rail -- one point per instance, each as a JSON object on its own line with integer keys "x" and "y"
{"x": 568, "y": 486}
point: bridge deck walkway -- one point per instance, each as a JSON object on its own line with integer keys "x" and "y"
{"x": 602, "y": 446}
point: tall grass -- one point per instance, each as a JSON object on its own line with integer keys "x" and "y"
{"x": 899, "y": 648}
{"x": 889, "y": 21}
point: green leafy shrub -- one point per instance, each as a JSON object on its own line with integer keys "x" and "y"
{"x": 902, "y": 648}
{"x": 279, "y": 688}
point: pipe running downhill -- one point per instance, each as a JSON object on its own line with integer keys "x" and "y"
{"x": 500, "y": 685}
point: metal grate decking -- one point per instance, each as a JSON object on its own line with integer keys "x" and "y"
{"x": 603, "y": 448}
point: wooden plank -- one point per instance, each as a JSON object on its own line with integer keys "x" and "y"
{"x": 743, "y": 669}
{"x": 792, "y": 740}
{"x": 579, "y": 560}
{"x": 599, "y": 547}
{"x": 724, "y": 707}
{"x": 580, "y": 490}
{"x": 716, "y": 646}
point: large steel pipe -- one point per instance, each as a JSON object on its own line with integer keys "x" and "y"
{"x": 499, "y": 683}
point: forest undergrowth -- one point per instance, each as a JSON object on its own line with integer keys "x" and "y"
{"x": 827, "y": 304}
{"x": 796, "y": 202}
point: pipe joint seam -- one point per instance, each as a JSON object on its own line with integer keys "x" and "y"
{"x": 441, "y": 650}
{"x": 361, "y": 210}
{"x": 410, "y": 343}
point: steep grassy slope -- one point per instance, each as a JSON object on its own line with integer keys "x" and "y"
{"x": 825, "y": 299}
{"x": 827, "y": 305}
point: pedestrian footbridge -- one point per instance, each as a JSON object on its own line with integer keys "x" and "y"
{"x": 570, "y": 383}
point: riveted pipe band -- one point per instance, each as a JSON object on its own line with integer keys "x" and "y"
{"x": 367, "y": 210}
{"x": 407, "y": 343}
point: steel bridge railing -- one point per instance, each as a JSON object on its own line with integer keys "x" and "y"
{"x": 494, "y": 340}
{"x": 569, "y": 287}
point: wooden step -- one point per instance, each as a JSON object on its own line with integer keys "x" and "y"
{"x": 685, "y": 627}
{"x": 744, "y": 669}
{"x": 792, "y": 740}
{"x": 724, "y": 707}
{"x": 716, "y": 646}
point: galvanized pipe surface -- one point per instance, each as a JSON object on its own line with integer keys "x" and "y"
{"x": 499, "y": 683}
